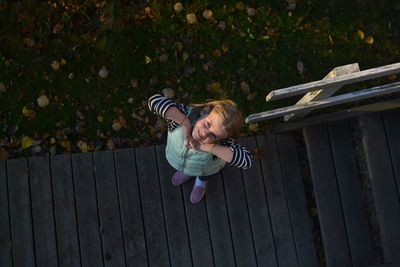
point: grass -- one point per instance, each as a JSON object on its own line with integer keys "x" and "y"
{"x": 130, "y": 38}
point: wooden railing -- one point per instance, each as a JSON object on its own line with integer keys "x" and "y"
{"x": 319, "y": 93}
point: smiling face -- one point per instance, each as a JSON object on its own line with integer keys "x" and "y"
{"x": 208, "y": 129}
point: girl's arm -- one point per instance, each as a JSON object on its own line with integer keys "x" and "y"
{"x": 229, "y": 151}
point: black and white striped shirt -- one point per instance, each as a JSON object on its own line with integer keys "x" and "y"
{"x": 159, "y": 104}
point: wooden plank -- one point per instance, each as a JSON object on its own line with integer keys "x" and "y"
{"x": 199, "y": 232}
{"x": 178, "y": 237}
{"x": 327, "y": 196}
{"x": 258, "y": 210}
{"x": 42, "y": 212}
{"x": 321, "y": 94}
{"x": 109, "y": 212}
{"x": 332, "y": 101}
{"x": 380, "y": 171}
{"x": 64, "y": 211}
{"x": 87, "y": 212}
{"x": 296, "y": 199}
{"x": 20, "y": 213}
{"x": 239, "y": 217}
{"x": 392, "y": 127}
{"x": 218, "y": 219}
{"x": 131, "y": 211}
{"x": 153, "y": 217}
{"x": 278, "y": 207}
{"x": 354, "y": 210}
{"x": 5, "y": 237}
{"x": 339, "y": 81}
{"x": 338, "y": 115}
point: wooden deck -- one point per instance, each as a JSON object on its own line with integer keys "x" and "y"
{"x": 120, "y": 209}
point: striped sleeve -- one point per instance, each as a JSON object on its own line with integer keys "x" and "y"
{"x": 159, "y": 104}
{"x": 242, "y": 157}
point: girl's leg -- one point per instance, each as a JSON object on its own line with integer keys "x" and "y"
{"x": 179, "y": 178}
{"x": 199, "y": 189}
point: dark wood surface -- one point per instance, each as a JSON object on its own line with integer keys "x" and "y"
{"x": 119, "y": 208}
{"x": 386, "y": 195}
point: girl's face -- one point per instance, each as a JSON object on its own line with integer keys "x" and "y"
{"x": 208, "y": 129}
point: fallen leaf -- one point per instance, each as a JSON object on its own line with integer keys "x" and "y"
{"x": 251, "y": 96}
{"x": 369, "y": 40}
{"x": 57, "y": 28}
{"x": 191, "y": 18}
{"x": 103, "y": 72}
{"x": 253, "y": 127}
{"x": 168, "y": 92}
{"x": 43, "y": 101}
{"x": 163, "y": 58}
{"x": 225, "y": 48}
{"x": 217, "y": 53}
{"x": 66, "y": 144}
{"x": 55, "y": 65}
{"x": 178, "y": 7}
{"x": 63, "y": 62}
{"x": 360, "y": 34}
{"x": 3, "y": 88}
{"x": 215, "y": 87}
{"x": 251, "y": 11}
{"x": 100, "y": 118}
{"x": 147, "y": 59}
{"x": 83, "y": 146}
{"x": 185, "y": 56}
{"x": 122, "y": 121}
{"x": 208, "y": 14}
{"x": 221, "y": 25}
{"x": 28, "y": 112}
{"x": 26, "y": 142}
{"x": 116, "y": 125}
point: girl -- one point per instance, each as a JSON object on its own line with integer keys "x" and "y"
{"x": 200, "y": 140}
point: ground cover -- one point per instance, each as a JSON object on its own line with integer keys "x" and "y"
{"x": 76, "y": 76}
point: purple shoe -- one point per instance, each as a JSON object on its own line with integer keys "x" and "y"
{"x": 179, "y": 178}
{"x": 198, "y": 191}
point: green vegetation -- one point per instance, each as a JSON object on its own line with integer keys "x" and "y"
{"x": 56, "y": 96}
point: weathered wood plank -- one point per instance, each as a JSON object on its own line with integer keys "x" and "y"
{"x": 42, "y": 212}
{"x": 339, "y": 81}
{"x": 392, "y": 127}
{"x": 239, "y": 217}
{"x": 323, "y": 103}
{"x": 87, "y": 211}
{"x": 199, "y": 232}
{"x": 64, "y": 211}
{"x": 131, "y": 211}
{"x": 178, "y": 239}
{"x": 109, "y": 212}
{"x": 338, "y": 115}
{"x": 5, "y": 238}
{"x": 20, "y": 213}
{"x": 380, "y": 171}
{"x": 327, "y": 196}
{"x": 258, "y": 210}
{"x": 324, "y": 93}
{"x": 218, "y": 219}
{"x": 305, "y": 247}
{"x": 354, "y": 211}
{"x": 276, "y": 195}
{"x": 153, "y": 217}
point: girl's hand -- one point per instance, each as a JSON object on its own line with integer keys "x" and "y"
{"x": 187, "y": 135}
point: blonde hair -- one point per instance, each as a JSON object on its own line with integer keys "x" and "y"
{"x": 228, "y": 111}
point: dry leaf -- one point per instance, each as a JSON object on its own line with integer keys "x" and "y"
{"x": 208, "y": 14}
{"x": 147, "y": 59}
{"x": 168, "y": 92}
{"x": 55, "y": 65}
{"x": 122, "y": 121}
{"x": 251, "y": 11}
{"x": 43, "y": 101}
{"x": 253, "y": 127}
{"x": 225, "y": 48}
{"x": 83, "y": 146}
{"x": 130, "y": 100}
{"x": 26, "y": 142}
{"x": 178, "y": 7}
{"x": 63, "y": 62}
{"x": 185, "y": 56}
{"x": 251, "y": 96}
{"x": 369, "y": 40}
{"x": 360, "y": 34}
{"x": 222, "y": 25}
{"x": 110, "y": 144}
{"x": 163, "y": 58}
{"x": 103, "y": 72}
{"x": 3, "y": 88}
{"x": 66, "y": 144}
{"x": 191, "y": 18}
{"x": 215, "y": 87}
{"x": 57, "y": 28}
{"x": 28, "y": 112}
{"x": 116, "y": 125}
{"x": 100, "y": 118}
{"x": 217, "y": 53}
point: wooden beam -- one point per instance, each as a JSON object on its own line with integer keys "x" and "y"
{"x": 323, "y": 93}
{"x": 332, "y": 101}
{"x": 337, "y": 115}
{"x": 334, "y": 82}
